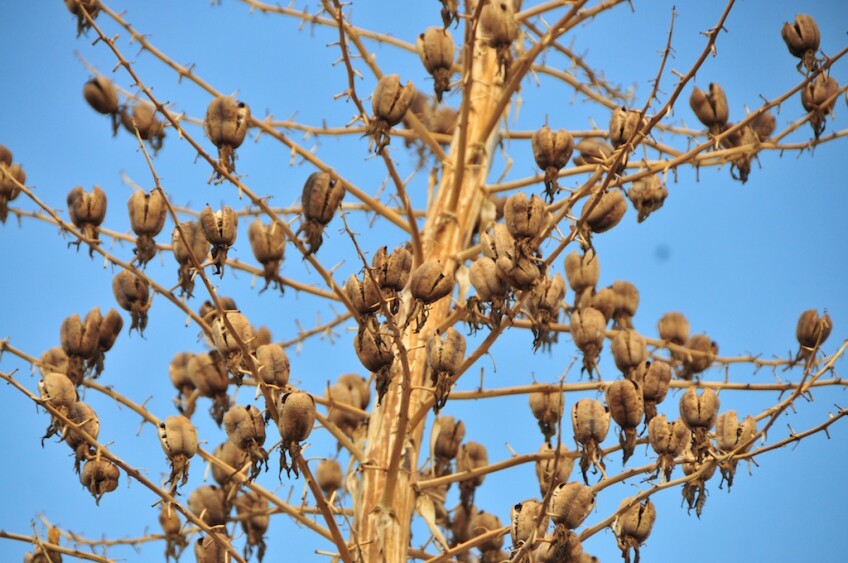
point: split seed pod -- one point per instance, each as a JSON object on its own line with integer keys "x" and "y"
{"x": 633, "y": 526}
{"x": 226, "y": 124}
{"x": 647, "y": 195}
{"x": 802, "y": 38}
{"x": 338, "y": 394}
{"x": 626, "y": 406}
{"x": 699, "y": 413}
{"x": 695, "y": 490}
{"x": 209, "y": 375}
{"x": 730, "y": 434}
{"x": 220, "y": 229}
{"x": 76, "y": 7}
{"x": 436, "y": 49}
{"x": 590, "y": 420}
{"x": 133, "y": 294}
{"x": 255, "y": 518}
{"x": 143, "y": 118}
{"x": 80, "y": 338}
{"x": 673, "y": 327}
{"x": 364, "y": 295}
{"x": 524, "y": 529}
{"x": 655, "y": 382}
{"x": 710, "y": 107}
{"x": 705, "y": 351}
{"x": 329, "y": 476}
{"x": 482, "y": 522}
{"x": 525, "y": 218}
{"x": 668, "y": 440}
{"x": 547, "y": 409}
{"x": 229, "y": 336}
{"x": 390, "y": 102}
{"x": 606, "y": 301}
{"x": 102, "y": 95}
{"x": 624, "y": 124}
{"x": 99, "y": 476}
{"x": 472, "y": 455}
{"x": 812, "y": 331}
{"x": 487, "y": 280}
{"x": 195, "y": 242}
{"x": 571, "y": 504}
{"x": 430, "y": 282}
{"x": 87, "y": 211}
{"x": 87, "y": 421}
{"x": 583, "y": 272}
{"x": 606, "y": 214}
{"x": 764, "y": 125}
{"x": 551, "y": 471}
{"x": 819, "y": 97}
{"x": 179, "y": 440}
{"x": 626, "y": 303}
{"x": 499, "y": 26}
{"x": 551, "y": 149}
{"x": 322, "y": 195}
{"x": 210, "y": 549}
{"x": 392, "y": 270}
{"x": 273, "y": 364}
{"x": 180, "y": 379}
{"x": 209, "y": 503}
{"x": 54, "y": 359}
{"x": 245, "y": 427}
{"x": 738, "y": 137}
{"x": 233, "y": 456}
{"x": 628, "y": 350}
{"x": 588, "y": 327}
{"x": 592, "y": 151}
{"x": 296, "y": 419}
{"x": 446, "y": 446}
{"x": 147, "y": 217}
{"x": 10, "y": 176}
{"x": 445, "y": 354}
{"x": 268, "y": 243}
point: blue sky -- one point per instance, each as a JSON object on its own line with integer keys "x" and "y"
{"x": 742, "y": 262}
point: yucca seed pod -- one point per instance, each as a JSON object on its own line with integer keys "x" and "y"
{"x": 668, "y": 440}
{"x": 133, "y": 295}
{"x": 624, "y": 124}
{"x": 550, "y": 471}
{"x": 819, "y": 97}
{"x": 220, "y": 229}
{"x": 373, "y": 347}
{"x": 194, "y": 242}
{"x": 647, "y": 195}
{"x": 430, "y": 282}
{"x": 10, "y": 176}
{"x": 710, "y": 107}
{"x": 364, "y": 295}
{"x": 590, "y": 420}
{"x": 742, "y": 137}
{"x": 633, "y": 525}
{"x": 571, "y": 504}
{"x": 524, "y": 529}
{"x": 329, "y": 476}
{"x": 57, "y": 389}
{"x": 79, "y": 341}
{"x": 583, "y": 272}
{"x": 87, "y": 211}
{"x": 209, "y": 503}
{"x": 86, "y": 420}
{"x": 296, "y": 419}
{"x": 812, "y": 331}
{"x": 591, "y": 151}
{"x": 262, "y": 336}
{"x": 209, "y": 549}
{"x": 390, "y": 102}
{"x": 522, "y": 273}
{"x": 764, "y": 125}
{"x": 226, "y": 123}
{"x": 802, "y": 38}
{"x": 673, "y": 327}
{"x": 178, "y": 437}
{"x": 546, "y": 299}
{"x": 700, "y": 355}
{"x": 655, "y": 382}
{"x": 178, "y": 373}
{"x": 99, "y": 476}
{"x": 268, "y": 243}
{"x": 487, "y": 279}
{"x": 76, "y": 8}
{"x": 606, "y": 301}
{"x": 147, "y": 217}
{"x": 359, "y": 388}
{"x": 451, "y": 433}
{"x": 547, "y": 410}
{"x": 626, "y": 303}
{"x": 392, "y": 271}
{"x": 254, "y": 512}
{"x": 471, "y": 455}
{"x": 245, "y": 427}
{"x": 208, "y": 311}
{"x": 525, "y": 218}
{"x": 436, "y": 49}
{"x": 5, "y": 156}
{"x": 606, "y": 214}
{"x": 233, "y": 339}
{"x": 699, "y": 412}
{"x": 626, "y": 406}
{"x": 499, "y": 28}
{"x": 342, "y": 394}
{"x": 53, "y": 360}
{"x": 695, "y": 491}
{"x": 233, "y": 456}
{"x": 208, "y": 373}
{"x": 273, "y": 364}
{"x": 322, "y": 195}
{"x": 102, "y": 95}
{"x": 460, "y": 523}
{"x": 110, "y": 329}
{"x": 482, "y": 522}
{"x": 588, "y": 328}
{"x": 731, "y": 434}
{"x": 143, "y": 118}
{"x": 561, "y": 545}
{"x": 628, "y": 350}
{"x": 551, "y": 150}
{"x": 497, "y": 242}
{"x": 175, "y": 542}
{"x": 445, "y": 354}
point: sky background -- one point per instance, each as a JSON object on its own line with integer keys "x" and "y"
{"x": 742, "y": 262}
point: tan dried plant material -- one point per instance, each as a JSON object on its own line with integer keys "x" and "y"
{"x": 528, "y": 523}
{"x": 268, "y": 243}
{"x": 450, "y": 12}
{"x": 554, "y": 468}
{"x": 629, "y": 351}
{"x": 673, "y": 327}
{"x": 436, "y": 49}
{"x": 647, "y": 195}
{"x": 178, "y": 437}
{"x": 10, "y": 176}
{"x": 209, "y": 549}
{"x": 668, "y": 440}
{"x": 819, "y": 98}
{"x": 695, "y": 490}
{"x": 102, "y": 95}
{"x": 588, "y": 330}
{"x": 220, "y": 229}
{"x": 390, "y": 102}
{"x": 451, "y": 433}
{"x": 632, "y": 527}
{"x": 254, "y": 512}
{"x": 472, "y": 455}
{"x": 99, "y": 476}
{"x": 543, "y": 306}
{"x": 624, "y": 124}
{"x": 178, "y": 373}
{"x": 84, "y": 419}
{"x": 525, "y": 218}
{"x": 699, "y": 412}
{"x": 191, "y": 241}
{"x": 710, "y": 107}
{"x": 499, "y": 28}
{"x": 582, "y": 270}
{"x": 731, "y": 434}
{"x": 373, "y": 347}
{"x": 763, "y": 125}
{"x": 590, "y": 420}
{"x": 273, "y": 365}
{"x": 626, "y": 406}
{"x": 321, "y": 197}
{"x": 344, "y": 393}
{"x": 245, "y": 427}
{"x": 80, "y": 339}
{"x": 208, "y": 373}
{"x": 133, "y": 295}
{"x": 147, "y": 218}
{"x": 87, "y": 211}
{"x": 812, "y": 331}
{"x": 296, "y": 419}
{"x": 172, "y": 527}
{"x": 592, "y": 151}
{"x": 54, "y": 359}
{"x": 490, "y": 302}
{"x": 392, "y": 273}
{"x": 329, "y": 476}
{"x": 428, "y": 283}
{"x": 141, "y": 117}
{"x": 655, "y": 381}
{"x": 79, "y": 8}
{"x": 606, "y": 301}
{"x": 606, "y": 214}
{"x": 233, "y": 456}
{"x": 209, "y": 503}
{"x": 699, "y": 355}
{"x": 740, "y": 164}
{"x": 571, "y": 504}
{"x": 551, "y": 150}
{"x": 482, "y": 522}
{"x": 364, "y": 295}
{"x": 802, "y": 38}
{"x": 226, "y": 123}
{"x": 445, "y": 353}
{"x": 233, "y": 336}
{"x": 626, "y": 303}
{"x": 547, "y": 409}
{"x": 57, "y": 390}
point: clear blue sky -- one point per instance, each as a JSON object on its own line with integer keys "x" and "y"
{"x": 741, "y": 261}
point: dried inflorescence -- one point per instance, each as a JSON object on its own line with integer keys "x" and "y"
{"x": 590, "y": 420}
{"x": 11, "y": 174}
{"x": 245, "y": 427}
{"x": 731, "y": 435}
{"x": 605, "y": 214}
{"x": 668, "y": 440}
{"x": 554, "y": 468}
{"x": 208, "y": 373}
{"x": 763, "y": 125}
{"x": 178, "y": 437}
{"x": 254, "y": 512}
{"x": 87, "y": 211}
{"x": 588, "y": 327}
{"x": 626, "y": 303}
{"x": 445, "y": 353}
{"x": 812, "y": 330}
{"x": 436, "y": 49}
{"x": 471, "y": 455}
{"x": 655, "y": 378}
{"x": 499, "y": 27}
{"x": 99, "y": 476}
{"x": 710, "y": 107}
{"x": 571, "y": 504}
{"x": 322, "y": 195}
{"x": 329, "y": 477}
{"x": 542, "y": 306}
{"x": 85, "y": 341}
{"x": 296, "y": 418}
{"x": 81, "y": 7}
{"x": 373, "y": 347}
{"x": 626, "y": 406}
{"x": 143, "y": 119}
{"x": 268, "y": 243}
{"x": 210, "y": 504}
{"x": 102, "y": 95}
{"x": 633, "y": 526}
{"x": 526, "y": 219}
{"x": 188, "y": 239}
{"x": 739, "y": 137}
{"x": 699, "y": 355}
{"x": 220, "y": 229}
{"x": 647, "y": 195}
{"x": 132, "y": 293}
{"x": 392, "y": 273}
{"x": 551, "y": 149}
{"x": 547, "y": 410}
{"x": 83, "y": 419}
{"x": 527, "y": 523}
{"x": 428, "y": 283}
{"x": 802, "y": 38}
{"x": 56, "y": 389}
{"x": 699, "y": 412}
{"x": 819, "y": 97}
{"x": 390, "y": 102}
{"x": 629, "y": 351}
{"x": 226, "y": 123}
{"x": 147, "y": 217}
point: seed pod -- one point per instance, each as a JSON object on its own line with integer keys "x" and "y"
{"x": 471, "y": 455}
{"x": 524, "y": 529}
{"x": 588, "y": 327}
{"x": 582, "y": 271}
{"x": 390, "y": 102}
{"x": 547, "y": 409}
{"x": 606, "y": 214}
{"x": 53, "y": 360}
{"x": 451, "y": 433}
{"x": 523, "y": 273}
{"x": 429, "y": 282}
{"x": 812, "y": 331}
{"x": 227, "y": 340}
{"x": 143, "y": 118}
{"x": 673, "y": 327}
{"x": 482, "y": 522}
{"x": 499, "y": 27}
{"x": 802, "y": 38}
{"x": 209, "y": 503}
{"x": 819, "y": 97}
{"x": 738, "y": 137}
{"x": 147, "y": 217}
{"x": 710, "y": 107}
{"x": 436, "y": 49}
{"x": 209, "y": 375}
{"x": 342, "y": 394}
{"x": 268, "y": 243}
{"x": 525, "y": 218}
{"x": 245, "y": 427}
{"x": 132, "y": 294}
{"x": 624, "y": 124}
{"x": 87, "y": 421}
{"x": 548, "y": 475}
{"x": 226, "y": 123}
{"x": 730, "y": 433}
{"x": 590, "y": 420}
{"x": 322, "y": 195}
{"x": 626, "y": 406}
{"x": 655, "y": 384}
{"x": 87, "y": 211}
{"x": 79, "y": 338}
{"x": 445, "y": 352}
{"x": 605, "y": 301}
{"x": 58, "y": 390}
{"x": 668, "y": 438}
{"x": 628, "y": 350}
{"x": 329, "y": 476}
{"x": 647, "y": 195}
{"x": 392, "y": 270}
{"x": 220, "y": 229}
{"x": 209, "y": 549}
{"x": 364, "y": 295}
{"x": 273, "y": 364}
{"x": 179, "y": 375}
{"x": 209, "y": 312}
{"x": 460, "y": 523}
{"x": 374, "y": 348}
{"x": 99, "y": 476}
{"x": 233, "y": 456}
{"x": 172, "y": 527}
{"x": 592, "y": 151}
{"x": 179, "y": 441}
{"x": 570, "y": 504}
{"x": 296, "y": 419}
{"x": 498, "y": 242}
{"x": 102, "y": 95}
{"x": 255, "y": 518}
{"x": 10, "y": 176}
{"x": 699, "y": 411}
{"x": 195, "y": 242}
{"x": 705, "y": 351}
{"x": 543, "y": 307}
{"x": 76, "y": 8}
{"x": 110, "y": 329}
{"x": 551, "y": 151}
{"x": 633, "y": 526}
{"x": 764, "y": 125}
{"x": 487, "y": 280}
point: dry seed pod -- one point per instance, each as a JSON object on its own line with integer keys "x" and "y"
{"x": 208, "y": 311}
{"x": 459, "y": 523}
{"x": 498, "y": 242}
{"x": 132, "y": 294}
{"x": 172, "y": 527}
{"x": 472, "y": 455}
{"x": 57, "y": 389}
{"x": 208, "y": 373}
{"x": 812, "y": 331}
{"x": 233, "y": 456}
{"x": 606, "y": 301}
{"x": 341, "y": 393}
{"x": 590, "y": 420}
{"x": 551, "y": 470}
{"x": 699, "y": 413}
{"x": 446, "y": 447}
{"x": 245, "y": 427}
{"x": 255, "y": 518}
{"x": 226, "y": 123}
{"x": 99, "y": 476}
{"x": 668, "y": 440}
{"x": 764, "y": 125}
{"x": 583, "y": 272}
{"x": 606, "y": 214}
{"x": 626, "y": 303}
{"x": 181, "y": 380}
{"x": 741, "y": 163}
{"x": 5, "y": 156}
{"x": 522, "y": 273}
{"x": 673, "y": 327}
{"x": 102, "y": 96}
{"x": 628, "y": 350}
{"x": 273, "y": 364}
{"x": 220, "y": 229}
{"x": 230, "y": 338}
{"x": 373, "y": 347}
{"x": 430, "y": 282}
{"x": 87, "y": 211}
{"x": 626, "y": 406}
{"x": 179, "y": 440}
{"x": 147, "y": 217}
{"x": 819, "y": 97}
{"x": 10, "y": 176}
{"x": 647, "y": 195}
{"x": 592, "y": 151}
{"x": 528, "y": 523}
{"x": 268, "y": 243}
{"x": 297, "y": 417}
{"x": 547, "y": 409}
{"x": 487, "y": 280}
{"x": 499, "y": 26}
{"x": 655, "y": 382}
{"x": 52, "y": 360}
{"x": 194, "y": 243}
{"x": 695, "y": 490}
{"x": 551, "y": 149}
{"x": 710, "y": 107}
{"x": 76, "y": 7}
{"x": 483, "y": 522}
{"x": 87, "y": 421}
{"x": 392, "y": 270}
{"x": 359, "y": 389}
{"x": 588, "y": 327}
{"x": 110, "y": 329}
{"x": 633, "y": 526}
{"x": 210, "y": 549}
{"x": 209, "y": 503}
{"x": 700, "y": 355}
{"x": 543, "y": 307}
{"x": 525, "y": 218}
{"x": 364, "y": 295}
{"x": 802, "y": 38}
{"x": 322, "y": 195}
{"x": 329, "y": 476}
{"x": 390, "y": 102}
{"x": 445, "y": 354}
{"x": 570, "y": 504}
{"x": 436, "y": 49}
{"x": 624, "y": 124}
{"x": 79, "y": 341}
{"x": 143, "y": 118}
{"x": 730, "y": 434}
